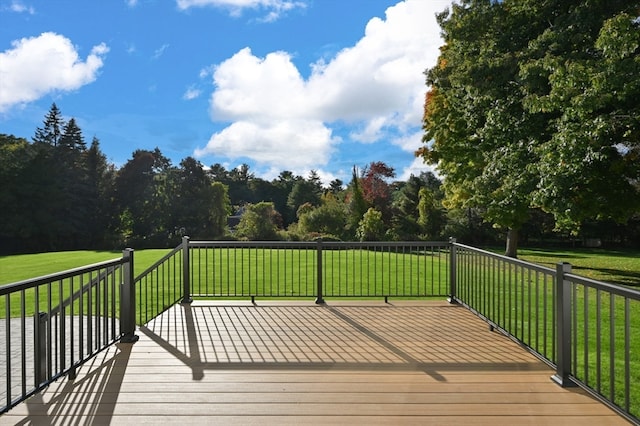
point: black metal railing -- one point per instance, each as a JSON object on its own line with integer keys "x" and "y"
{"x": 161, "y": 285}
{"x": 318, "y": 269}
{"x": 589, "y": 331}
{"x": 50, "y": 325}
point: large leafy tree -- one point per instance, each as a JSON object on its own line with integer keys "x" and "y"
{"x": 494, "y": 113}
{"x": 142, "y": 194}
{"x": 590, "y": 166}
{"x": 199, "y": 207}
{"x": 375, "y": 188}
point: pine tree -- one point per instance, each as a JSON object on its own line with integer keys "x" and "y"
{"x": 51, "y": 132}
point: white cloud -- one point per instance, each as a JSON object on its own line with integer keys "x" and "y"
{"x": 191, "y": 93}
{"x": 36, "y": 66}
{"x": 409, "y": 142}
{"x": 131, "y": 3}
{"x": 377, "y": 85}
{"x": 19, "y": 7}
{"x": 415, "y": 168}
{"x": 274, "y": 8}
{"x": 160, "y": 51}
{"x": 295, "y": 144}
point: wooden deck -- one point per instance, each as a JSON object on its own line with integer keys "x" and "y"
{"x": 292, "y": 363}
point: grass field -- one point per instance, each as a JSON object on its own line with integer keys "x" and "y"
{"x": 613, "y": 266}
{"x": 25, "y": 266}
{"x": 619, "y": 267}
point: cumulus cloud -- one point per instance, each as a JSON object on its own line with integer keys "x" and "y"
{"x": 274, "y": 8}
{"x": 47, "y": 63}
{"x": 278, "y": 117}
{"x": 263, "y": 142}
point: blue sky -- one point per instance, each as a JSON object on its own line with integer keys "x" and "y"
{"x": 277, "y": 84}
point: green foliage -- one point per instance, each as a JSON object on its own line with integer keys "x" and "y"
{"x": 371, "y": 227}
{"x": 329, "y": 218}
{"x": 356, "y": 203}
{"x": 305, "y": 191}
{"x": 535, "y": 104}
{"x": 198, "y": 207}
{"x": 259, "y": 222}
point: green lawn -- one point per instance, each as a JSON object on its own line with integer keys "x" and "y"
{"x": 25, "y": 266}
{"x": 613, "y": 266}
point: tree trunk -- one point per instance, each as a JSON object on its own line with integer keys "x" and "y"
{"x": 512, "y": 243}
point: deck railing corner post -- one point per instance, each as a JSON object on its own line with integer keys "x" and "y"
{"x": 186, "y": 271}
{"x": 453, "y": 296}
{"x": 563, "y": 326}
{"x": 128, "y": 299}
{"x": 319, "y": 296}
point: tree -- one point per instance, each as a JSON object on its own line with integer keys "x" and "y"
{"x": 357, "y": 206}
{"x": 590, "y": 166}
{"x": 17, "y": 195}
{"x": 406, "y": 221}
{"x": 51, "y": 132}
{"x": 336, "y": 187}
{"x": 484, "y": 125}
{"x": 375, "y": 188}
{"x": 219, "y": 209}
{"x": 100, "y": 183}
{"x": 327, "y": 219}
{"x": 199, "y": 207}
{"x": 282, "y": 187}
{"x": 259, "y": 222}
{"x": 371, "y": 227}
{"x": 305, "y": 191}
{"x": 142, "y": 197}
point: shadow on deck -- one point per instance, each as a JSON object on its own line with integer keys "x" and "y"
{"x": 299, "y": 363}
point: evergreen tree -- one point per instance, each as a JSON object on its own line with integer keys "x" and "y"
{"x": 52, "y": 130}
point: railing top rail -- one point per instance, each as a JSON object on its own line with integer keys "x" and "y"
{"x": 619, "y": 290}
{"x": 34, "y": 282}
{"x": 314, "y": 244}
{"x": 155, "y": 265}
{"x": 508, "y": 259}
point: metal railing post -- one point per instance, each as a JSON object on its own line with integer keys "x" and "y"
{"x": 186, "y": 272}
{"x": 563, "y": 327}
{"x": 128, "y": 300}
{"x": 320, "y": 296}
{"x": 452, "y": 271}
{"x": 40, "y": 351}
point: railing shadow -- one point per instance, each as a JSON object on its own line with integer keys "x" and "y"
{"x": 90, "y": 399}
{"x": 431, "y": 339}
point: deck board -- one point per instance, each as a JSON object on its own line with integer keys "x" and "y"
{"x": 282, "y": 363}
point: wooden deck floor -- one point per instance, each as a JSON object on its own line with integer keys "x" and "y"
{"x": 289, "y": 363}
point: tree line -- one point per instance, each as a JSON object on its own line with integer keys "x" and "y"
{"x": 58, "y": 193}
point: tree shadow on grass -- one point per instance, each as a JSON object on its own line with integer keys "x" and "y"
{"x": 623, "y": 277}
